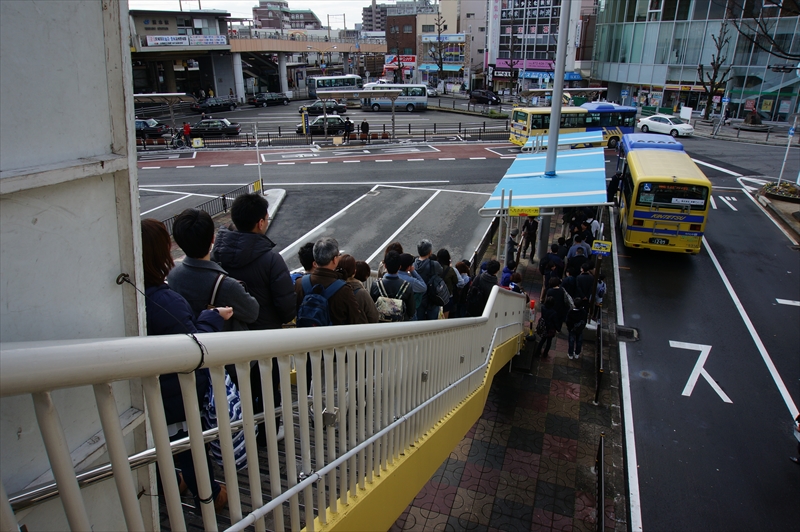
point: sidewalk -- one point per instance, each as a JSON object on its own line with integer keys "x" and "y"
{"x": 777, "y": 137}
{"x": 527, "y": 464}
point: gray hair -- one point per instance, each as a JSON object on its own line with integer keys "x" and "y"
{"x": 325, "y": 249}
{"x": 424, "y": 247}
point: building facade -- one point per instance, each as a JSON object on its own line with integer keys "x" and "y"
{"x": 472, "y": 23}
{"x": 373, "y": 17}
{"x": 650, "y": 51}
{"x": 276, "y": 15}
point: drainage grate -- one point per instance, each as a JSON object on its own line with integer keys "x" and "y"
{"x": 627, "y": 334}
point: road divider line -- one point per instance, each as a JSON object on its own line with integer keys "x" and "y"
{"x": 383, "y": 160}
{"x": 279, "y": 164}
{"x": 719, "y": 168}
{"x": 627, "y": 405}
{"x": 713, "y": 203}
{"x": 319, "y": 162}
{"x": 728, "y": 203}
{"x": 415, "y": 160}
{"x": 252, "y": 164}
{"x": 185, "y": 166}
{"x": 347, "y": 162}
{"x": 788, "y": 302}
{"x": 312, "y": 235}
{"x": 168, "y": 203}
{"x": 477, "y": 158}
{"x": 150, "y": 189}
{"x": 447, "y": 158}
{"x": 150, "y": 168}
{"x": 391, "y": 238}
{"x": 218, "y": 165}
{"x": 773, "y": 371}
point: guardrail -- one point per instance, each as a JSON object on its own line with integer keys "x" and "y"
{"x": 600, "y": 471}
{"x": 599, "y": 368}
{"x": 219, "y": 204}
{"x": 377, "y": 392}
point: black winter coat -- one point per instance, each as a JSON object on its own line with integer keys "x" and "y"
{"x": 249, "y": 258}
{"x": 169, "y": 313}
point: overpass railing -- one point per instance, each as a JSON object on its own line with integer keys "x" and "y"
{"x": 376, "y": 390}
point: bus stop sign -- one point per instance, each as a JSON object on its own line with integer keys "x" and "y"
{"x": 601, "y": 247}
{"x": 523, "y": 211}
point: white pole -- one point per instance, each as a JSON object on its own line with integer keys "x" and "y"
{"x": 258, "y": 158}
{"x": 786, "y": 155}
{"x": 558, "y": 89}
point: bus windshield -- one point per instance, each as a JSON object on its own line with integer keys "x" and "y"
{"x": 676, "y": 195}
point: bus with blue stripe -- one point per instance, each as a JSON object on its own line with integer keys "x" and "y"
{"x": 664, "y": 197}
{"x": 612, "y": 120}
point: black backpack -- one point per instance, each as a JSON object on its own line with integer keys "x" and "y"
{"x": 476, "y": 299}
{"x": 314, "y": 311}
{"x": 438, "y": 294}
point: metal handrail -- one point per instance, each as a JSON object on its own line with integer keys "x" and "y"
{"x": 600, "y": 470}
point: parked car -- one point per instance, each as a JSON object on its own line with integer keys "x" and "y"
{"x": 263, "y": 99}
{"x": 215, "y": 127}
{"x": 334, "y": 108}
{"x": 317, "y": 125}
{"x": 150, "y": 128}
{"x": 432, "y": 93}
{"x": 481, "y": 96}
{"x": 214, "y": 104}
{"x": 671, "y": 125}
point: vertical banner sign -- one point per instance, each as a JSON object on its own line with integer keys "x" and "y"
{"x": 494, "y": 30}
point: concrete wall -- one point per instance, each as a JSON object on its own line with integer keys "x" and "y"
{"x": 69, "y": 218}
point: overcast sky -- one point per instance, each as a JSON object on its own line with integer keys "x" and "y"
{"x": 351, "y": 9}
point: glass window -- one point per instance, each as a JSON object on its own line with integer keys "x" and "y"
{"x": 407, "y": 28}
{"x": 428, "y": 28}
{"x": 630, "y": 13}
{"x": 679, "y": 195}
{"x": 650, "y": 38}
{"x": 678, "y": 43}
{"x": 700, "y": 9}
{"x": 682, "y": 13}
{"x": 615, "y": 41}
{"x": 624, "y": 51}
{"x": 668, "y": 9}
{"x": 710, "y": 48}
{"x": 694, "y": 43}
{"x": 743, "y": 48}
{"x": 664, "y": 40}
{"x": 638, "y": 40}
{"x": 641, "y": 10}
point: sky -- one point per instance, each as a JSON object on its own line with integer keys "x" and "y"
{"x": 351, "y": 9}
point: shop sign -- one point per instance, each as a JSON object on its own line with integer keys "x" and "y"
{"x": 405, "y": 59}
{"x": 208, "y": 40}
{"x": 766, "y": 105}
{"x": 749, "y": 105}
{"x": 449, "y": 37}
{"x": 167, "y": 40}
{"x": 785, "y": 105}
{"x": 505, "y": 74}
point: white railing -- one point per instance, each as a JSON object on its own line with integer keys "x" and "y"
{"x": 390, "y": 384}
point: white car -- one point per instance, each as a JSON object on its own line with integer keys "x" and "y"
{"x": 671, "y": 125}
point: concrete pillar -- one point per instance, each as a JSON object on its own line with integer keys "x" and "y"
{"x": 238, "y": 77}
{"x": 282, "y": 74}
{"x": 347, "y": 69}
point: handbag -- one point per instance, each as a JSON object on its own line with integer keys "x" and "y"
{"x": 217, "y": 283}
{"x": 209, "y": 417}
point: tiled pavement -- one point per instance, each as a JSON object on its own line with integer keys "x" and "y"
{"x": 528, "y": 463}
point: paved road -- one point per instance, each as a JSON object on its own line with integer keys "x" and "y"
{"x": 713, "y": 445}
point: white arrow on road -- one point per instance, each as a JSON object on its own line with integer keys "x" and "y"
{"x": 699, "y": 369}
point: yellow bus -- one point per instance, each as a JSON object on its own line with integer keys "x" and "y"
{"x": 612, "y": 119}
{"x": 664, "y": 196}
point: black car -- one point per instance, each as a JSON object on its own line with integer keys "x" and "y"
{"x": 334, "y": 108}
{"x": 317, "y": 125}
{"x": 150, "y": 128}
{"x": 215, "y": 127}
{"x": 487, "y": 97}
{"x": 263, "y": 99}
{"x": 214, "y": 104}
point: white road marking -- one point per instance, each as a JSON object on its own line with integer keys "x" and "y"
{"x": 699, "y": 369}
{"x": 346, "y": 162}
{"x": 790, "y": 237}
{"x": 184, "y": 167}
{"x": 733, "y": 198}
{"x": 776, "y": 377}
{"x": 218, "y": 165}
{"x": 728, "y": 203}
{"x": 151, "y": 168}
{"x": 788, "y": 302}
{"x": 447, "y": 158}
{"x": 508, "y": 157}
{"x": 477, "y": 158}
{"x": 383, "y": 160}
{"x": 168, "y": 203}
{"x": 150, "y": 189}
{"x": 319, "y": 162}
{"x": 415, "y": 160}
{"x": 391, "y": 238}
{"x": 440, "y": 190}
{"x": 713, "y": 203}
{"x": 198, "y": 185}
{"x": 719, "y": 168}
{"x": 284, "y": 163}
{"x": 355, "y": 183}
{"x": 627, "y": 407}
{"x": 252, "y": 164}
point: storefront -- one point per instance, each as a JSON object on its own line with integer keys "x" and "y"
{"x": 399, "y": 68}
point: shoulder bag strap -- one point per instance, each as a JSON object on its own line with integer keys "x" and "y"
{"x": 402, "y": 291}
{"x": 382, "y": 289}
{"x": 217, "y": 283}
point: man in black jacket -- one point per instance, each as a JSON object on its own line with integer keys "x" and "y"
{"x": 246, "y": 254}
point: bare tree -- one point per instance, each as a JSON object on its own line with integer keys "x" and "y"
{"x": 718, "y": 74}
{"x": 399, "y": 72}
{"x": 758, "y": 22}
{"x": 437, "y": 50}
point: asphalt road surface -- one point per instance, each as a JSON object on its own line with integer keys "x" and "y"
{"x": 714, "y": 376}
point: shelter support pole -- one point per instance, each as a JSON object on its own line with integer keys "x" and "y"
{"x": 500, "y": 239}
{"x": 544, "y": 235}
{"x": 282, "y": 73}
{"x": 558, "y": 89}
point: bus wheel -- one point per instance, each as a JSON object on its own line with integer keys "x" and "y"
{"x": 376, "y": 107}
{"x": 410, "y": 108}
{"x": 612, "y": 142}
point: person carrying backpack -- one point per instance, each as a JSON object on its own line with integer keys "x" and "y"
{"x": 393, "y": 296}
{"x": 481, "y": 289}
{"x": 576, "y": 323}
{"x": 323, "y": 297}
{"x": 431, "y": 272}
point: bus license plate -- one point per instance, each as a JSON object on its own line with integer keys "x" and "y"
{"x": 659, "y": 241}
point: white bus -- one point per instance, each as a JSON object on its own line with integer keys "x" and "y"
{"x": 317, "y": 84}
{"x": 412, "y": 97}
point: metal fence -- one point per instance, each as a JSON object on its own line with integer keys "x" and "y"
{"x": 376, "y": 391}
{"x": 219, "y": 204}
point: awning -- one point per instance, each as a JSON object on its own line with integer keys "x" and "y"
{"x": 580, "y": 180}
{"x": 535, "y": 142}
{"x": 447, "y": 68}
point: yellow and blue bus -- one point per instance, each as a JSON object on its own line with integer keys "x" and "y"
{"x": 612, "y": 119}
{"x": 664, "y": 196}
